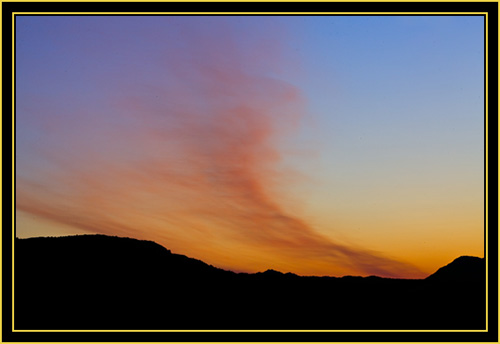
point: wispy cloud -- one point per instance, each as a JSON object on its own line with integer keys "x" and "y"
{"x": 190, "y": 158}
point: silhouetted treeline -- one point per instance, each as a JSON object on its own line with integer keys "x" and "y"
{"x": 102, "y": 282}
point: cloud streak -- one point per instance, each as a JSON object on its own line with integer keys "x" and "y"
{"x": 191, "y": 159}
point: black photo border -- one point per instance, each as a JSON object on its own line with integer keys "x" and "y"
{"x": 488, "y": 8}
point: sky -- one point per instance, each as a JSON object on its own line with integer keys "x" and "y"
{"x": 318, "y": 145}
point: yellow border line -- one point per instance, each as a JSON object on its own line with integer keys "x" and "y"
{"x": 244, "y": 13}
{"x": 252, "y": 331}
{"x": 226, "y": 13}
{"x": 1, "y": 184}
{"x": 331, "y": 1}
{"x": 486, "y": 158}
{"x": 13, "y": 160}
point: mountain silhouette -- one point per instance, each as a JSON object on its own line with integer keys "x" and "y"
{"x": 101, "y": 282}
{"x": 462, "y": 268}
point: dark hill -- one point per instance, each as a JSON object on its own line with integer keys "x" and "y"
{"x": 112, "y": 254}
{"x": 462, "y": 268}
{"x": 101, "y": 282}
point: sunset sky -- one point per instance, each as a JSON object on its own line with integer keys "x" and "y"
{"x": 319, "y": 145}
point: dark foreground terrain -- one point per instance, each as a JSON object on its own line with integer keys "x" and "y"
{"x": 101, "y": 282}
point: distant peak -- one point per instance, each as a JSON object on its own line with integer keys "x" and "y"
{"x": 272, "y": 272}
{"x": 467, "y": 258}
{"x": 464, "y": 267}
